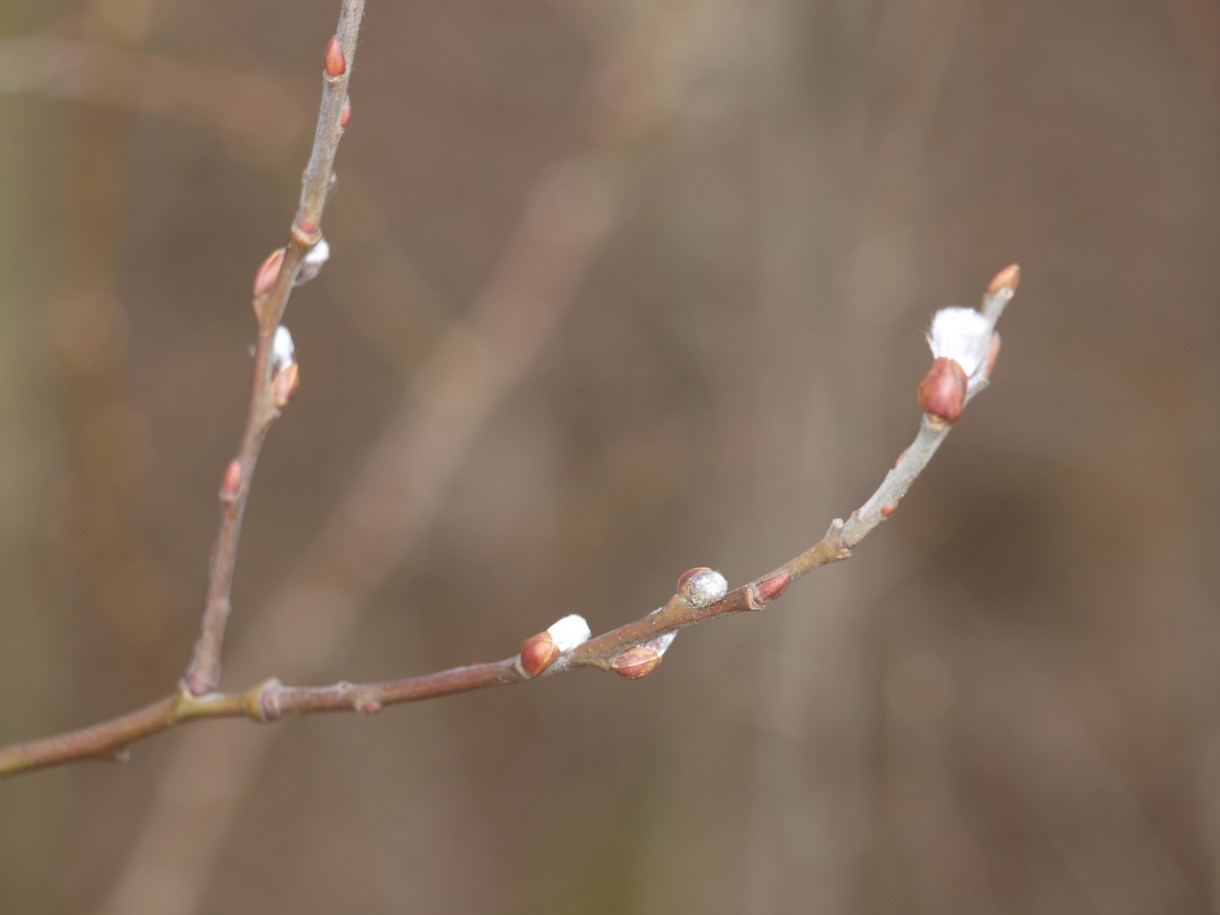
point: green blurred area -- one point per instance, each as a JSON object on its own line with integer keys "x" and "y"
{"x": 617, "y": 290}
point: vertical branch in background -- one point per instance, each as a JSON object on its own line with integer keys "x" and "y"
{"x": 275, "y": 375}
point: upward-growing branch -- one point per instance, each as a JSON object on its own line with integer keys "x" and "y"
{"x": 275, "y": 375}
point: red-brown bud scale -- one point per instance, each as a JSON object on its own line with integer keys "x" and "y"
{"x": 636, "y": 662}
{"x": 538, "y": 652}
{"x": 268, "y": 272}
{"x": 335, "y": 62}
{"x": 942, "y": 393}
{"x": 1008, "y": 278}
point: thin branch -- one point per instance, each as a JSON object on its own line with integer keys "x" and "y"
{"x": 631, "y": 651}
{"x": 272, "y": 286}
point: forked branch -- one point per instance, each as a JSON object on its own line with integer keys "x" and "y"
{"x": 965, "y": 347}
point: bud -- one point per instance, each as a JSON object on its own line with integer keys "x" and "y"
{"x": 284, "y": 385}
{"x": 701, "y": 587}
{"x": 768, "y": 589}
{"x": 312, "y": 262}
{"x": 888, "y": 509}
{"x": 942, "y": 393}
{"x": 283, "y": 351}
{"x": 1008, "y": 278}
{"x": 636, "y": 662}
{"x": 963, "y": 335}
{"x": 230, "y": 485}
{"x": 335, "y": 62}
{"x": 268, "y": 272}
{"x": 345, "y": 116}
{"x": 539, "y": 652}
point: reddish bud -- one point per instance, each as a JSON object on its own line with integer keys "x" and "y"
{"x": 898, "y": 460}
{"x": 284, "y": 385}
{"x": 538, "y": 652}
{"x": 306, "y": 233}
{"x": 685, "y": 577}
{"x": 942, "y": 393}
{"x": 335, "y": 62}
{"x": 887, "y": 510}
{"x": 765, "y": 590}
{"x": 1008, "y": 278}
{"x": 369, "y": 707}
{"x": 265, "y": 277}
{"x": 231, "y": 484}
{"x": 345, "y": 116}
{"x": 636, "y": 662}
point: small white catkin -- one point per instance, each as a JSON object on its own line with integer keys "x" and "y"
{"x": 570, "y": 631}
{"x": 283, "y": 351}
{"x": 662, "y": 642}
{"x": 706, "y": 588}
{"x": 312, "y": 263}
{"x": 963, "y": 335}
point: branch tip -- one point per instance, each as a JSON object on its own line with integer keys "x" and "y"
{"x": 1008, "y": 278}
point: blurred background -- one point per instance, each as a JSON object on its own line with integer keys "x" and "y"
{"x": 618, "y": 289}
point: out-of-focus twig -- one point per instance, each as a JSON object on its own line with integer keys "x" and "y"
{"x": 965, "y": 347}
{"x": 253, "y": 102}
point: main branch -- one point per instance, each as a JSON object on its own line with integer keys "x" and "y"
{"x": 965, "y": 347}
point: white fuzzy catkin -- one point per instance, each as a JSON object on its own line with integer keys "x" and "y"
{"x": 283, "y": 351}
{"x": 569, "y": 632}
{"x": 963, "y": 335}
{"x": 312, "y": 262}
{"x": 706, "y": 587}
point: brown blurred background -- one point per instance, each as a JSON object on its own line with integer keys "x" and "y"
{"x": 619, "y": 289}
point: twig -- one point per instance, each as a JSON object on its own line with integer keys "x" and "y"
{"x": 274, "y": 382}
{"x": 965, "y": 347}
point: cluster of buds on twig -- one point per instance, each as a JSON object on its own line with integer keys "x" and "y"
{"x": 698, "y": 587}
{"x": 965, "y": 347}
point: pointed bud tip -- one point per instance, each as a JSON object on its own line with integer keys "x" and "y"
{"x": 1008, "y": 278}
{"x": 772, "y": 587}
{"x": 942, "y": 393}
{"x": 334, "y": 61}
{"x": 268, "y": 272}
